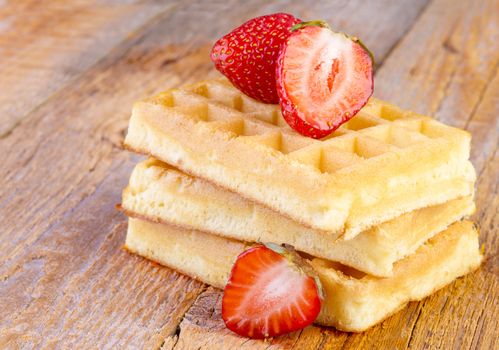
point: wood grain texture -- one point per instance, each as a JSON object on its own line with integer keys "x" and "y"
{"x": 448, "y": 67}
{"x": 45, "y": 44}
{"x": 69, "y": 75}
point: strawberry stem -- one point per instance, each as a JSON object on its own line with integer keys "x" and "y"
{"x": 315, "y": 23}
{"x": 275, "y": 247}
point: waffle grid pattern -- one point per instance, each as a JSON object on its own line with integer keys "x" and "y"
{"x": 377, "y": 129}
{"x": 382, "y": 163}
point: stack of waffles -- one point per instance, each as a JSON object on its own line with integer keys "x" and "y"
{"x": 378, "y": 207}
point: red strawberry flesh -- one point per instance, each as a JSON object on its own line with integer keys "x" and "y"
{"x": 268, "y": 295}
{"x": 324, "y": 78}
{"x": 247, "y": 55}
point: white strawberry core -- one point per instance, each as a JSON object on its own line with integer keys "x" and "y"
{"x": 278, "y": 285}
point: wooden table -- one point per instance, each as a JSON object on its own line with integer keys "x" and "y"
{"x": 69, "y": 73}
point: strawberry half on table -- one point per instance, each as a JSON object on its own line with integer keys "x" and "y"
{"x": 323, "y": 78}
{"x": 247, "y": 55}
{"x": 271, "y": 291}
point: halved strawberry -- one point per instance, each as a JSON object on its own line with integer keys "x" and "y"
{"x": 247, "y": 56}
{"x": 323, "y": 78}
{"x": 271, "y": 291}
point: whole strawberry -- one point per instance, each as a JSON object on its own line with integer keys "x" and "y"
{"x": 247, "y": 55}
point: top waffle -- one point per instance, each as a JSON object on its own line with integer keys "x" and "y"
{"x": 382, "y": 163}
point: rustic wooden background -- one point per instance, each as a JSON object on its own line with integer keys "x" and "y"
{"x": 69, "y": 72}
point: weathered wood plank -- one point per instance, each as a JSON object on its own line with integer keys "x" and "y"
{"x": 114, "y": 299}
{"x": 45, "y": 44}
{"x": 483, "y": 123}
{"x": 380, "y": 24}
{"x": 446, "y": 62}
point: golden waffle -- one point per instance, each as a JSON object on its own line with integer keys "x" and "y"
{"x": 161, "y": 193}
{"x": 384, "y": 162}
{"x": 353, "y": 301}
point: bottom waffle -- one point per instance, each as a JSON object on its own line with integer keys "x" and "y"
{"x": 353, "y": 301}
